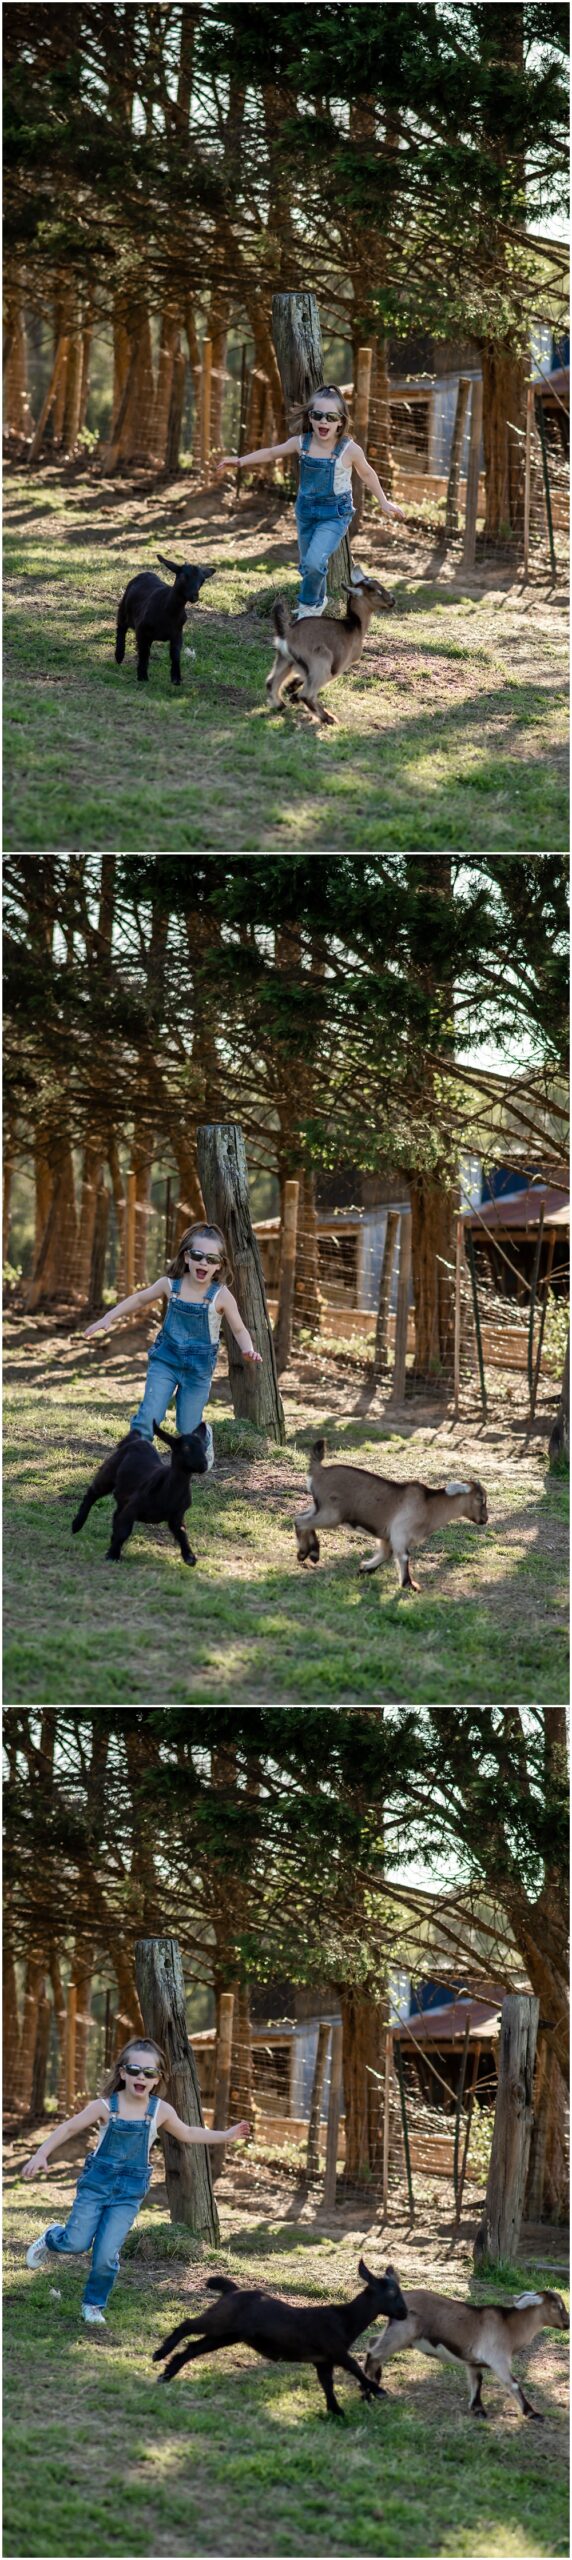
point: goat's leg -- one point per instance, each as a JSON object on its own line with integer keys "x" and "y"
{"x": 188, "y": 2355}
{"x": 122, "y": 1525}
{"x": 399, "y": 2334}
{"x": 325, "y": 2373}
{"x": 371, "y": 2390}
{"x": 405, "y": 1576}
{"x": 101, "y": 1483}
{"x": 369, "y": 1564}
{"x": 281, "y": 674}
{"x": 476, "y": 2409}
{"x": 326, "y": 1516}
{"x": 499, "y": 2363}
{"x": 175, "y": 657}
{"x": 183, "y": 2330}
{"x": 181, "y": 1540}
{"x": 143, "y": 645}
{"x": 120, "y": 635}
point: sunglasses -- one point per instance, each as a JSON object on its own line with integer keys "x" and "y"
{"x": 139, "y": 2074}
{"x": 328, "y": 417}
{"x": 213, "y": 1259}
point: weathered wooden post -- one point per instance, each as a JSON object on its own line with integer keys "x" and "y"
{"x": 334, "y": 2112}
{"x": 71, "y": 2009}
{"x": 298, "y": 341}
{"x": 313, "y": 2150}
{"x": 399, "y": 1364}
{"x": 472, "y": 498}
{"x": 130, "y": 1207}
{"x": 382, "y": 1326}
{"x": 98, "y": 1251}
{"x": 288, "y": 1241}
{"x": 452, "y": 498}
{"x": 457, "y": 1340}
{"x": 160, "y": 1984}
{"x": 221, "y": 1158}
{"x": 360, "y": 422}
{"x": 498, "y": 2233}
{"x": 386, "y": 2108}
{"x": 206, "y": 375}
{"x": 528, "y": 474}
{"x": 222, "y": 2077}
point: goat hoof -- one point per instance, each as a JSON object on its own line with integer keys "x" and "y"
{"x": 110, "y": 1556}
{"x": 536, "y": 2414}
{"x": 189, "y": 1559}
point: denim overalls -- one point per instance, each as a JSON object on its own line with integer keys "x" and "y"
{"x": 182, "y": 1358}
{"x": 322, "y": 519}
{"x": 109, "y": 2193}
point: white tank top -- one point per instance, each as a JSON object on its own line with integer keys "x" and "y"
{"x": 342, "y": 469}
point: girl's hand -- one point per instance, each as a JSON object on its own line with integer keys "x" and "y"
{"x": 103, "y": 1326}
{"x": 228, "y": 462}
{"x": 35, "y": 2167}
{"x": 393, "y": 510}
{"x": 239, "y": 2132}
{"x": 252, "y": 1355}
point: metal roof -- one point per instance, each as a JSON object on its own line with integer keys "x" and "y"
{"x": 521, "y": 1209}
{"x": 447, "y": 2024}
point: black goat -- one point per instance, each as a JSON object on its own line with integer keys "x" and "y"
{"x": 146, "y": 1489}
{"x": 320, "y": 2333}
{"x": 156, "y": 612}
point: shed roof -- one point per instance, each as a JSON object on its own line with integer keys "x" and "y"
{"x": 521, "y": 1209}
{"x": 447, "y": 2025}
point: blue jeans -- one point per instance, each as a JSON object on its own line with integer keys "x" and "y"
{"x": 318, "y": 537}
{"x": 104, "y": 2219}
{"x": 163, "y": 1381}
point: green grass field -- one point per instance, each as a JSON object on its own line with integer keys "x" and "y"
{"x": 489, "y": 1623}
{"x": 452, "y": 732}
{"x": 237, "y": 2457}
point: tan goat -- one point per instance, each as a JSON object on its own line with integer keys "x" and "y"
{"x": 483, "y": 2337}
{"x": 399, "y": 1515}
{"x": 316, "y": 648}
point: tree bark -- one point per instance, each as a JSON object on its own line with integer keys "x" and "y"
{"x": 559, "y": 1442}
{"x": 160, "y": 1983}
{"x": 498, "y": 2235}
{"x": 315, "y": 2119}
{"x": 504, "y": 405}
{"x": 41, "y": 2054}
{"x": 433, "y": 1259}
{"x": 221, "y": 1156}
{"x": 452, "y": 499}
{"x": 362, "y": 2021}
{"x": 384, "y": 1303}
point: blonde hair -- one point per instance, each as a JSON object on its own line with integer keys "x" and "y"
{"x": 200, "y": 1227}
{"x": 147, "y": 2045}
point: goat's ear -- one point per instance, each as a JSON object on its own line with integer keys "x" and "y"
{"x": 365, "y": 2272}
{"x": 318, "y": 1451}
{"x": 206, "y": 573}
{"x": 173, "y": 566}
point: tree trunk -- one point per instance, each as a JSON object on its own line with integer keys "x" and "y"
{"x": 307, "y": 1303}
{"x": 386, "y": 1276}
{"x": 498, "y": 2235}
{"x": 59, "y": 2000}
{"x": 362, "y": 2021}
{"x": 168, "y": 341}
{"x": 285, "y": 1311}
{"x": 452, "y": 499}
{"x": 504, "y": 404}
{"x": 10, "y": 2023}
{"x": 221, "y": 1156}
{"x": 35, "y": 1970}
{"x": 18, "y": 419}
{"x": 82, "y": 1971}
{"x": 160, "y": 1983}
{"x": 53, "y": 1272}
{"x": 559, "y": 1442}
{"x": 41, "y": 2053}
{"x": 175, "y": 417}
{"x": 298, "y": 341}
{"x": 98, "y": 1254}
{"x": 90, "y": 1182}
{"x": 433, "y": 1258}
{"x": 547, "y": 2183}
{"x": 315, "y": 2119}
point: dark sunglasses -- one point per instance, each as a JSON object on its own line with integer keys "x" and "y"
{"x": 331, "y": 417}
{"x": 213, "y": 1259}
{"x": 136, "y": 2073}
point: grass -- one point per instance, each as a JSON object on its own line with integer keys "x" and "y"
{"x": 247, "y": 1626}
{"x": 237, "y": 2457}
{"x": 451, "y": 732}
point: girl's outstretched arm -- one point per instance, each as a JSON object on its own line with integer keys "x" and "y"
{"x": 95, "y": 2111}
{"x": 264, "y": 453}
{"x": 242, "y": 1336}
{"x": 365, "y": 471}
{"x": 200, "y": 2132}
{"x": 140, "y": 1298}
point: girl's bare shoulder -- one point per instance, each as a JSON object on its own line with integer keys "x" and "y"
{"x": 224, "y": 1298}
{"x": 163, "y": 1286}
{"x": 96, "y": 2109}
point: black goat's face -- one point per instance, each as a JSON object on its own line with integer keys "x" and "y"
{"x": 190, "y": 1447}
{"x": 386, "y": 2291}
{"x": 193, "y": 579}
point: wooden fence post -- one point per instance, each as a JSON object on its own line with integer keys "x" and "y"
{"x": 98, "y": 1251}
{"x": 313, "y": 2150}
{"x": 221, "y": 1158}
{"x": 206, "y": 377}
{"x": 528, "y": 473}
{"x": 399, "y": 1365}
{"x": 222, "y": 2077}
{"x": 288, "y": 1241}
{"x": 472, "y": 498}
{"x": 386, "y": 1276}
{"x": 498, "y": 2233}
{"x": 71, "y": 2011}
{"x": 457, "y": 1339}
{"x": 161, "y": 1988}
{"x": 452, "y": 498}
{"x": 130, "y": 1206}
{"x": 334, "y": 2112}
{"x": 386, "y": 2108}
{"x": 242, "y": 410}
{"x": 360, "y": 423}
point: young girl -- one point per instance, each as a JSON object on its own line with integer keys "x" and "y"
{"x": 118, "y": 2173}
{"x": 324, "y": 505}
{"x": 183, "y": 1355}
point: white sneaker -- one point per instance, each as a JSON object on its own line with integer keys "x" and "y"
{"x": 37, "y": 2254}
{"x": 89, "y": 2311}
{"x": 209, "y": 1449}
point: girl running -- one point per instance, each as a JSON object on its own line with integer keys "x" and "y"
{"x": 118, "y": 2172}
{"x": 324, "y": 505}
{"x": 184, "y": 1353}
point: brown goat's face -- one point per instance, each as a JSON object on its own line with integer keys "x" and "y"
{"x": 556, "y": 2312}
{"x": 479, "y": 1510}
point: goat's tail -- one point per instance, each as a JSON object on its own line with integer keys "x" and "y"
{"x": 285, "y": 643}
{"x": 221, "y": 2284}
{"x": 317, "y": 1452}
{"x": 120, "y": 634}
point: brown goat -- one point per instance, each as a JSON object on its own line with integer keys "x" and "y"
{"x": 310, "y": 652}
{"x": 399, "y": 1515}
{"x": 482, "y": 2336}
